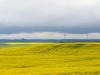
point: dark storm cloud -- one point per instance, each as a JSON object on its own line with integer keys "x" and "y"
{"x": 63, "y": 29}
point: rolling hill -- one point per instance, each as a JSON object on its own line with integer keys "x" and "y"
{"x": 50, "y": 58}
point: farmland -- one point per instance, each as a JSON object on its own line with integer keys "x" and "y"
{"x": 78, "y": 58}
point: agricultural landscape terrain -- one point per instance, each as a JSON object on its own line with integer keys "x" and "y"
{"x": 70, "y": 58}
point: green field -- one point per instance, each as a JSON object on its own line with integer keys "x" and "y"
{"x": 50, "y": 58}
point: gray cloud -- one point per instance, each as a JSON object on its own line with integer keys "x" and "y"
{"x": 71, "y": 16}
{"x": 63, "y": 29}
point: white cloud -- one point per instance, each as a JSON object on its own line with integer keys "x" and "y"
{"x": 49, "y": 12}
{"x": 49, "y": 35}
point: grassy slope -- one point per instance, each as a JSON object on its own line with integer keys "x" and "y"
{"x": 50, "y": 59}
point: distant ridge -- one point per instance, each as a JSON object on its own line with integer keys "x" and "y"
{"x": 49, "y": 40}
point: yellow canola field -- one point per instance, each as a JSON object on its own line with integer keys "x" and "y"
{"x": 50, "y": 59}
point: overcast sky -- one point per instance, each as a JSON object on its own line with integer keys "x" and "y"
{"x": 70, "y": 16}
{"x": 49, "y": 35}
